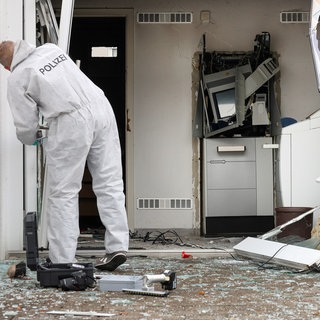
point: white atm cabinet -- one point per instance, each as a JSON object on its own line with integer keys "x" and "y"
{"x": 299, "y": 163}
{"x": 237, "y": 185}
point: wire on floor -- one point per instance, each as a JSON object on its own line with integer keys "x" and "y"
{"x": 172, "y": 237}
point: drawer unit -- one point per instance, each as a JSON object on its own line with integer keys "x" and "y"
{"x": 237, "y": 182}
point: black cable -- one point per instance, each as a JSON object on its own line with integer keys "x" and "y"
{"x": 261, "y": 266}
{"x": 161, "y": 237}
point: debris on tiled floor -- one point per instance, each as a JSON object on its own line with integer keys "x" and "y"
{"x": 222, "y": 287}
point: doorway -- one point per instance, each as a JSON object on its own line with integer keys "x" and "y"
{"x": 98, "y": 45}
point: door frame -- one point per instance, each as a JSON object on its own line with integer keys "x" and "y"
{"x": 128, "y": 14}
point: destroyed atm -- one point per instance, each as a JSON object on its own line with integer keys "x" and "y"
{"x": 236, "y": 119}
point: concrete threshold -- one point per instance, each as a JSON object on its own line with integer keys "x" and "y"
{"x": 160, "y": 253}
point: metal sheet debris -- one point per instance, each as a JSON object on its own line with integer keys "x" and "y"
{"x": 279, "y": 229}
{"x": 283, "y": 254}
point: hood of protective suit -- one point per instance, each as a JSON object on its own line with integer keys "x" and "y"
{"x": 22, "y": 50}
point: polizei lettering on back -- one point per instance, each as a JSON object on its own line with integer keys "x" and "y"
{"x": 48, "y": 67}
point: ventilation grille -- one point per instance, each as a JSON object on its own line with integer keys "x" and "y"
{"x": 164, "y": 203}
{"x": 294, "y": 17}
{"x": 164, "y": 17}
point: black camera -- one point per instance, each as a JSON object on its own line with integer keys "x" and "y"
{"x": 77, "y": 281}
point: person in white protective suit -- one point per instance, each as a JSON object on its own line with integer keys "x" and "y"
{"x": 82, "y": 127}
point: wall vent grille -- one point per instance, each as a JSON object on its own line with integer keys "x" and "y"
{"x": 294, "y": 17}
{"x": 164, "y": 17}
{"x": 164, "y": 203}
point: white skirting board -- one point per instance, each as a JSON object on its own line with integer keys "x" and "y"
{"x": 279, "y": 253}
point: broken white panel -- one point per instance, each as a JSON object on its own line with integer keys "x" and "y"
{"x": 278, "y": 253}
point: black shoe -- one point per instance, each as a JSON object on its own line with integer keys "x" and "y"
{"x": 111, "y": 261}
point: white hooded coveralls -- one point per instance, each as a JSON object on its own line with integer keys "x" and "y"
{"x": 82, "y": 127}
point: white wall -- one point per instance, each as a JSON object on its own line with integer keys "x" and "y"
{"x": 162, "y": 121}
{"x": 11, "y": 150}
{"x": 164, "y": 155}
